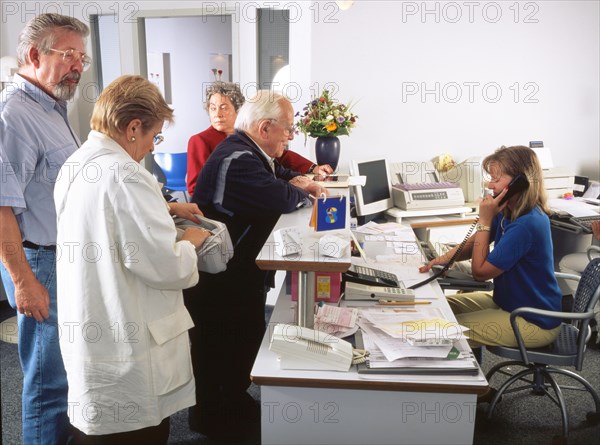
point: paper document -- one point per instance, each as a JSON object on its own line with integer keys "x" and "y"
{"x": 341, "y": 316}
{"x": 573, "y": 207}
{"x": 427, "y": 324}
{"x": 401, "y": 258}
{"x": 456, "y": 366}
{"x": 338, "y": 321}
{"x": 372, "y": 228}
{"x": 593, "y": 191}
{"x": 394, "y": 349}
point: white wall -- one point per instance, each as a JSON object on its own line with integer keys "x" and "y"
{"x": 189, "y": 40}
{"x": 378, "y": 48}
{"x": 375, "y": 52}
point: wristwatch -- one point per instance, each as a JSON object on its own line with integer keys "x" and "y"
{"x": 481, "y": 228}
{"x": 312, "y": 168}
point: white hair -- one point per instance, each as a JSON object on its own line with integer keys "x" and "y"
{"x": 264, "y": 106}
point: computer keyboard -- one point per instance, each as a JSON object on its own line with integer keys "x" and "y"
{"x": 585, "y": 221}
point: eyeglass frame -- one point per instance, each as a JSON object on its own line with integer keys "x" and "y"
{"x": 291, "y": 129}
{"x": 158, "y": 139}
{"x": 85, "y": 60}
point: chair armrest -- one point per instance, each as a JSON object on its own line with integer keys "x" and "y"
{"x": 591, "y": 250}
{"x": 567, "y": 276}
{"x": 546, "y": 313}
{"x": 552, "y": 314}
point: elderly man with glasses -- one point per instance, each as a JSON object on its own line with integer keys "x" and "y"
{"x": 244, "y": 186}
{"x": 37, "y": 139}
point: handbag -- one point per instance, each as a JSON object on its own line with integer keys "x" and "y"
{"x": 217, "y": 250}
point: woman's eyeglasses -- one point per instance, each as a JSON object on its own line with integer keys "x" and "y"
{"x": 72, "y": 56}
{"x": 158, "y": 139}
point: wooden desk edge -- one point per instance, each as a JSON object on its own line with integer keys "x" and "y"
{"x": 454, "y": 222}
{"x": 303, "y": 266}
{"x": 378, "y": 385}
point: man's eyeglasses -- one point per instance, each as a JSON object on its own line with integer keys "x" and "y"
{"x": 290, "y": 130}
{"x": 158, "y": 139}
{"x": 72, "y": 56}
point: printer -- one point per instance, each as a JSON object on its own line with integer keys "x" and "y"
{"x": 417, "y": 187}
{"x": 558, "y": 181}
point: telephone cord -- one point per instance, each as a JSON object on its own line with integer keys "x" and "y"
{"x": 359, "y": 356}
{"x": 452, "y": 259}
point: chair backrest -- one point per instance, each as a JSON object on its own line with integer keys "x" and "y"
{"x": 588, "y": 289}
{"x": 174, "y": 166}
{"x": 586, "y": 297}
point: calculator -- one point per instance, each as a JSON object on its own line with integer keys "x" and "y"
{"x": 371, "y": 277}
{"x": 358, "y": 291}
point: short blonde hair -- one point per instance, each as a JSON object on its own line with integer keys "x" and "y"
{"x": 521, "y": 160}
{"x": 125, "y": 99}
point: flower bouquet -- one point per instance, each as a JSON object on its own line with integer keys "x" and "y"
{"x": 325, "y": 117}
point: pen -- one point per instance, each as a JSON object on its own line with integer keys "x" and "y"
{"x": 401, "y": 303}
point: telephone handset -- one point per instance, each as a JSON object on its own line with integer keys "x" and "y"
{"x": 303, "y": 348}
{"x": 518, "y": 184}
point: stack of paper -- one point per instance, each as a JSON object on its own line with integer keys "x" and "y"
{"x": 337, "y": 321}
{"x": 422, "y": 341}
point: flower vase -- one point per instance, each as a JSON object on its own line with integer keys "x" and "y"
{"x": 327, "y": 151}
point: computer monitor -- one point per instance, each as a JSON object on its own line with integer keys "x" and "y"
{"x": 375, "y": 197}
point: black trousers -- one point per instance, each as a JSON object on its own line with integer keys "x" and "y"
{"x": 153, "y": 435}
{"x": 229, "y": 317}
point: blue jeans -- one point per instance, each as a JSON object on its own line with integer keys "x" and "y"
{"x": 44, "y": 401}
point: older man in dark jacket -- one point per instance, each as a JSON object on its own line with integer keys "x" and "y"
{"x": 244, "y": 186}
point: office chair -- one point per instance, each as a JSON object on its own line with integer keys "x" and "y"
{"x": 592, "y": 252}
{"x": 174, "y": 169}
{"x": 567, "y": 350}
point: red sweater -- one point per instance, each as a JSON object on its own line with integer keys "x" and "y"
{"x": 294, "y": 161}
{"x": 201, "y": 145}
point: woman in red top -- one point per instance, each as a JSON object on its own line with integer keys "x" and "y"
{"x": 223, "y": 100}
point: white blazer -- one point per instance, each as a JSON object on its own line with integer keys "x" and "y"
{"x": 120, "y": 272}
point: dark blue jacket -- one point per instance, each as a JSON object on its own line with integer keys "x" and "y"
{"x": 238, "y": 187}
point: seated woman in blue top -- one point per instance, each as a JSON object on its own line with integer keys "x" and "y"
{"x": 521, "y": 263}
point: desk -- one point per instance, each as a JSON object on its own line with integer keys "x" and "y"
{"x": 306, "y": 262}
{"x": 326, "y": 407}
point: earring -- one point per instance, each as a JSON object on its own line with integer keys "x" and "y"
{"x": 132, "y": 138}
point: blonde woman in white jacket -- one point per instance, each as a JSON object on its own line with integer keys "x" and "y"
{"x": 120, "y": 274}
